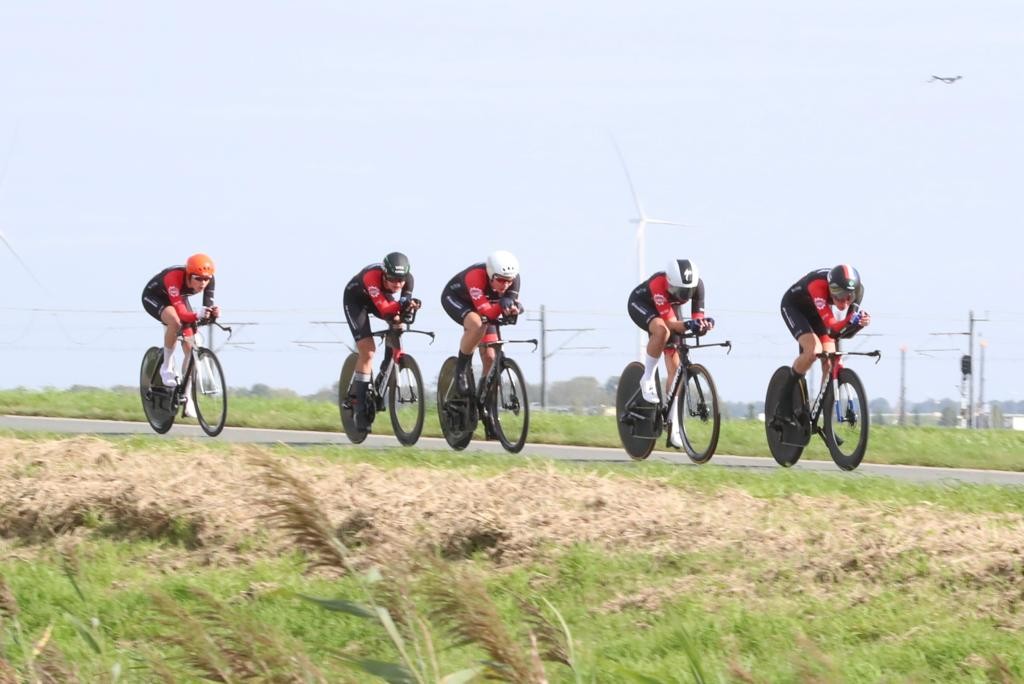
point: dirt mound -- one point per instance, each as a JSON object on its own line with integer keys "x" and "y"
{"x": 209, "y": 503}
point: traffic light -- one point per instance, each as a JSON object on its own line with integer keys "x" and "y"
{"x": 965, "y": 364}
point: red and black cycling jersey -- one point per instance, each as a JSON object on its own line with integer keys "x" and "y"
{"x": 656, "y": 292}
{"x": 472, "y": 286}
{"x": 810, "y": 295}
{"x": 367, "y": 287}
{"x": 168, "y": 288}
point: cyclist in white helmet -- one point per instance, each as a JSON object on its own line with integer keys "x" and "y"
{"x": 477, "y": 295}
{"x": 655, "y": 306}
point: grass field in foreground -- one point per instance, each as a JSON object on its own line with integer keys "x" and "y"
{"x": 171, "y": 560}
{"x": 928, "y": 446}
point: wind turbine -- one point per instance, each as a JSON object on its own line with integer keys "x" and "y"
{"x": 641, "y": 230}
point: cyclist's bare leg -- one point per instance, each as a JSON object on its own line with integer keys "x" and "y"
{"x": 473, "y": 331}
{"x": 658, "y": 333}
{"x": 671, "y": 366}
{"x": 828, "y": 345}
{"x": 362, "y": 375}
{"x": 365, "y": 348}
{"x": 810, "y": 347}
{"x": 172, "y": 327}
{"x": 487, "y": 356}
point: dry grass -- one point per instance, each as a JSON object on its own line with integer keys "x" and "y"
{"x": 84, "y": 485}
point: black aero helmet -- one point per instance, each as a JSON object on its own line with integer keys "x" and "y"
{"x": 396, "y": 266}
{"x": 843, "y": 281}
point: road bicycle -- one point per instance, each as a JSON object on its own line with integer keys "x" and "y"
{"x": 398, "y": 385}
{"x": 209, "y": 391}
{"x": 841, "y": 400}
{"x": 500, "y": 402}
{"x": 700, "y": 420}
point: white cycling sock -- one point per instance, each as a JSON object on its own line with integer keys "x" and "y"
{"x": 168, "y": 358}
{"x": 650, "y": 366}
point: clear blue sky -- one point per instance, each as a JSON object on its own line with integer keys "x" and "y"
{"x": 297, "y": 142}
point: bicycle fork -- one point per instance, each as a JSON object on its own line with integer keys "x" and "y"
{"x": 843, "y": 404}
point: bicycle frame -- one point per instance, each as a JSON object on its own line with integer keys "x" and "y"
{"x": 391, "y": 337}
{"x": 177, "y": 394}
{"x": 491, "y": 379}
{"x": 835, "y": 360}
{"x": 683, "y": 350}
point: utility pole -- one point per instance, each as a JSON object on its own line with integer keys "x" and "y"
{"x": 966, "y": 364}
{"x": 903, "y": 386}
{"x": 981, "y": 386}
{"x": 971, "y": 321}
{"x": 544, "y": 355}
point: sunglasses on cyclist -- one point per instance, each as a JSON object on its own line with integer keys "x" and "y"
{"x": 842, "y": 296}
{"x": 203, "y": 278}
{"x": 394, "y": 280}
{"x": 503, "y": 279}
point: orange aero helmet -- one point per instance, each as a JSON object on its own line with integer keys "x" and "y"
{"x": 199, "y": 264}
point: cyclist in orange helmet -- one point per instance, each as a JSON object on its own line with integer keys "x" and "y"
{"x": 165, "y": 298}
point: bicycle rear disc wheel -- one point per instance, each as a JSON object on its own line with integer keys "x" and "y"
{"x": 405, "y": 400}
{"x": 639, "y": 421}
{"x": 346, "y": 402}
{"x": 846, "y": 420}
{"x": 784, "y": 454}
{"x": 699, "y": 417}
{"x": 510, "y": 407}
{"x": 157, "y": 400}
{"x": 454, "y": 410}
{"x": 209, "y": 392}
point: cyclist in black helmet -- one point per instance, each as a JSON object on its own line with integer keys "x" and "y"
{"x": 385, "y": 290}
{"x": 655, "y": 305}
{"x": 807, "y": 311}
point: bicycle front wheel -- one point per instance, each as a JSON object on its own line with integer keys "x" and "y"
{"x": 699, "y": 417}
{"x": 405, "y": 400}
{"x": 209, "y": 392}
{"x": 454, "y": 410}
{"x": 846, "y": 420}
{"x": 157, "y": 400}
{"x": 510, "y": 408}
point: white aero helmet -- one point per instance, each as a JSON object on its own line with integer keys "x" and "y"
{"x": 682, "y": 275}
{"x": 503, "y": 264}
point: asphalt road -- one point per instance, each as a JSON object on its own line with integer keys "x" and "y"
{"x": 564, "y": 453}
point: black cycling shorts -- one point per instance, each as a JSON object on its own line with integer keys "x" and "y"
{"x": 357, "y": 313}
{"x": 154, "y": 303}
{"x": 456, "y": 308}
{"x": 799, "y": 323}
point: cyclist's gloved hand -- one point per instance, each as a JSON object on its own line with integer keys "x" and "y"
{"x": 699, "y": 326}
{"x": 409, "y": 308}
{"x": 508, "y": 306}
